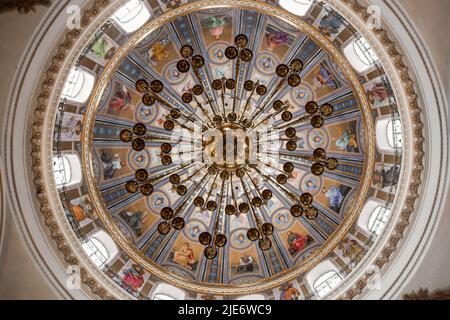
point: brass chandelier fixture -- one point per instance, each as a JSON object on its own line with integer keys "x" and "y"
{"x": 227, "y": 131}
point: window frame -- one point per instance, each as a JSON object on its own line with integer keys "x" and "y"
{"x": 382, "y": 215}
{"x": 167, "y": 290}
{"x": 102, "y": 237}
{"x": 96, "y": 252}
{"x": 70, "y": 163}
{"x": 297, "y": 7}
{"x": 355, "y": 51}
{"x": 144, "y": 14}
{"x": 389, "y": 134}
{"x": 85, "y": 88}
{"x": 326, "y": 284}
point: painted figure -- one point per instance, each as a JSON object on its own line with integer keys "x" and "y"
{"x": 330, "y": 24}
{"x": 352, "y": 250}
{"x": 185, "y": 256}
{"x": 241, "y": 238}
{"x": 377, "y": 94}
{"x": 71, "y": 128}
{"x": 282, "y": 219}
{"x": 310, "y": 184}
{"x": 347, "y": 142}
{"x": 133, "y": 278}
{"x": 121, "y": 101}
{"x": 334, "y": 196}
{"x": 157, "y": 52}
{"x": 133, "y": 220}
{"x": 297, "y": 242}
{"x": 103, "y": 49}
{"x": 276, "y": 39}
{"x": 324, "y": 78}
{"x": 194, "y": 231}
{"x": 215, "y": 25}
{"x": 387, "y": 178}
{"x": 84, "y": 209}
{"x": 110, "y": 165}
{"x": 245, "y": 264}
{"x": 288, "y": 292}
{"x": 171, "y": 4}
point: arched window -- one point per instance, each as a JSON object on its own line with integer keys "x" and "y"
{"x": 373, "y": 217}
{"x": 360, "y": 55}
{"x": 378, "y": 219}
{"x": 100, "y": 248}
{"x": 323, "y": 278}
{"x": 297, "y": 7}
{"x": 394, "y": 134}
{"x": 132, "y": 15}
{"x": 78, "y": 86}
{"x": 389, "y": 134}
{"x": 252, "y": 297}
{"x": 326, "y": 283}
{"x": 67, "y": 170}
{"x": 165, "y": 291}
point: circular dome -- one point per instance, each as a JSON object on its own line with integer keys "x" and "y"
{"x": 247, "y": 121}
{"x": 225, "y": 150}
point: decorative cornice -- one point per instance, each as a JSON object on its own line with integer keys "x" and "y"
{"x": 41, "y": 108}
{"x": 415, "y": 112}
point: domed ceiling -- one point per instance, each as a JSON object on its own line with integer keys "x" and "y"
{"x": 225, "y": 170}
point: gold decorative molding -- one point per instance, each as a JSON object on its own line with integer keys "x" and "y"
{"x": 42, "y": 107}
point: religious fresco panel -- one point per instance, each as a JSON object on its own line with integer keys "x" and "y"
{"x": 114, "y": 162}
{"x": 332, "y": 194}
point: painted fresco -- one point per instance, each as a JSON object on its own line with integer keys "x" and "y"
{"x": 219, "y": 64}
{"x": 378, "y": 93}
{"x": 352, "y": 250}
{"x": 194, "y": 228}
{"x": 318, "y": 138}
{"x": 344, "y": 137}
{"x": 282, "y": 219}
{"x": 170, "y": 4}
{"x": 133, "y": 278}
{"x": 102, "y": 49}
{"x": 216, "y": 27}
{"x": 160, "y": 52}
{"x": 386, "y": 177}
{"x": 277, "y": 40}
{"x": 83, "y": 210}
{"x": 137, "y": 218}
{"x": 185, "y": 254}
{"x": 158, "y": 200}
{"x": 311, "y": 184}
{"x": 113, "y": 163}
{"x": 123, "y": 101}
{"x": 239, "y": 240}
{"x": 322, "y": 79}
{"x": 244, "y": 262}
{"x": 296, "y": 239}
{"x": 329, "y": 24}
{"x": 71, "y": 126}
{"x": 333, "y": 194}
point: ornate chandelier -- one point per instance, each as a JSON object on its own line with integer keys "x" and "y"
{"x": 227, "y": 141}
